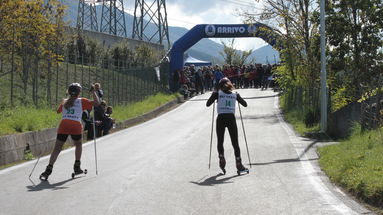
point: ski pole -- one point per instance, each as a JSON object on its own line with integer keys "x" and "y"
{"x": 94, "y": 139}
{"x": 35, "y": 165}
{"x": 244, "y": 134}
{"x": 211, "y": 134}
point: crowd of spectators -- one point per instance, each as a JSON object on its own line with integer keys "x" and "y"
{"x": 194, "y": 80}
{"x": 102, "y": 117}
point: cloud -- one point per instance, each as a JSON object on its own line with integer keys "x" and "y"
{"x": 195, "y": 6}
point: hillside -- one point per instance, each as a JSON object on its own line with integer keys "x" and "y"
{"x": 205, "y": 49}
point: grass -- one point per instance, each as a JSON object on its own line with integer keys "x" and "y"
{"x": 356, "y": 165}
{"x": 121, "y": 113}
{"x": 23, "y": 119}
{"x": 295, "y": 118}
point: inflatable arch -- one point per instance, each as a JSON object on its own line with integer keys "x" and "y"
{"x": 215, "y": 31}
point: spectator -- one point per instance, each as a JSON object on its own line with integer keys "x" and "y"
{"x": 109, "y": 123}
{"x": 103, "y": 121}
{"x": 99, "y": 91}
{"x": 176, "y": 79}
{"x": 218, "y": 75}
{"x": 88, "y": 121}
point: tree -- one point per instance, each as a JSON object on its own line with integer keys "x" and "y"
{"x": 233, "y": 56}
{"x": 355, "y": 37}
{"x": 295, "y": 21}
{"x": 32, "y": 27}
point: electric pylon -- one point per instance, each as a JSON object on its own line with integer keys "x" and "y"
{"x": 151, "y": 11}
{"x": 87, "y": 16}
{"x": 113, "y": 18}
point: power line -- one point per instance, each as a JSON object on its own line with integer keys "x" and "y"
{"x": 242, "y": 3}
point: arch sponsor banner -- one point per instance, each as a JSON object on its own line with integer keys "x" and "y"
{"x": 243, "y": 30}
{"x": 214, "y": 31}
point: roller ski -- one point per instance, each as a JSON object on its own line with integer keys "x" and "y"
{"x": 240, "y": 168}
{"x": 222, "y": 163}
{"x": 77, "y": 169}
{"x": 45, "y": 175}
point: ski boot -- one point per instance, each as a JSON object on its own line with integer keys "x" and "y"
{"x": 222, "y": 163}
{"x": 240, "y": 168}
{"x": 77, "y": 169}
{"x": 44, "y": 176}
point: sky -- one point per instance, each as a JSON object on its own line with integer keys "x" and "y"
{"x": 188, "y": 13}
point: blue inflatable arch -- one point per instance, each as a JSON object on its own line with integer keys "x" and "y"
{"x": 215, "y": 31}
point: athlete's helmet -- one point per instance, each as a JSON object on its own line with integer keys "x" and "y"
{"x": 224, "y": 80}
{"x": 74, "y": 89}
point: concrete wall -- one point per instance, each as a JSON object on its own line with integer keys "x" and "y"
{"x": 12, "y": 147}
{"x": 340, "y": 122}
{"x": 109, "y": 40}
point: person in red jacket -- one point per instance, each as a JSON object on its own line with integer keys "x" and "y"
{"x": 71, "y": 110}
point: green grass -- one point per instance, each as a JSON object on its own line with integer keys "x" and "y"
{"x": 121, "y": 113}
{"x": 295, "y": 118}
{"x": 356, "y": 164}
{"x": 23, "y": 119}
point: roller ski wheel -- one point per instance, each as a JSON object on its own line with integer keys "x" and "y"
{"x": 85, "y": 171}
{"x": 240, "y": 168}
{"x": 242, "y": 172}
{"x": 44, "y": 177}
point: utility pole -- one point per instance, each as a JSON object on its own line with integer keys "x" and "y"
{"x": 151, "y": 12}
{"x": 113, "y": 18}
{"x": 87, "y": 15}
{"x": 323, "y": 123}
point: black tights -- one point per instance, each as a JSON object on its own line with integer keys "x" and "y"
{"x": 223, "y": 121}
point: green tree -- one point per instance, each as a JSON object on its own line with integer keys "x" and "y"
{"x": 355, "y": 37}
{"x": 295, "y": 23}
{"x": 232, "y": 56}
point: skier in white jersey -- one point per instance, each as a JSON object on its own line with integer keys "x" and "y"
{"x": 226, "y": 100}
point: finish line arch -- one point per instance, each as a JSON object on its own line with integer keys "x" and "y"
{"x": 201, "y": 31}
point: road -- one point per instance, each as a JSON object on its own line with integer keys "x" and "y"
{"x": 161, "y": 167}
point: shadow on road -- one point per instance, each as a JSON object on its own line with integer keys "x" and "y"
{"x": 211, "y": 181}
{"x": 261, "y": 97}
{"x": 283, "y": 161}
{"x": 45, "y": 185}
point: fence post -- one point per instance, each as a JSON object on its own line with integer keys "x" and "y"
{"x": 57, "y": 79}
{"x": 12, "y": 63}
{"x": 82, "y": 72}
{"x": 89, "y": 71}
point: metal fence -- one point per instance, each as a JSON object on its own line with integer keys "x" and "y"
{"x": 42, "y": 82}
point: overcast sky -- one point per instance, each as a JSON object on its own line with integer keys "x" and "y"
{"x": 188, "y": 13}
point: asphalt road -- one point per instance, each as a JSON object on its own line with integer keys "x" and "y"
{"x": 161, "y": 167}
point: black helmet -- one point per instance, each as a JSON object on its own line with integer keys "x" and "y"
{"x": 223, "y": 80}
{"x": 74, "y": 89}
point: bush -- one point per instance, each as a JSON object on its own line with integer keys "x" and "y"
{"x": 311, "y": 117}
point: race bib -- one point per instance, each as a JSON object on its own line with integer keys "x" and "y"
{"x": 226, "y": 102}
{"x": 74, "y": 112}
